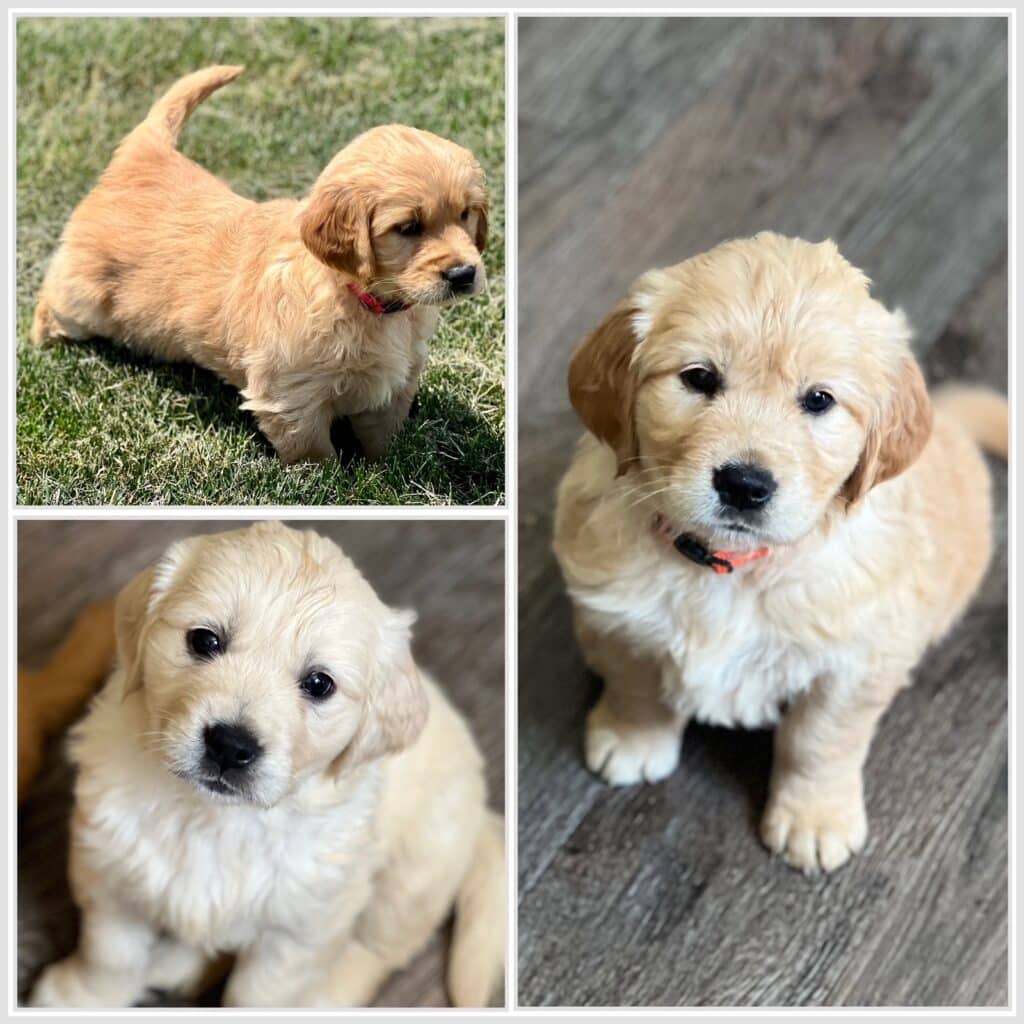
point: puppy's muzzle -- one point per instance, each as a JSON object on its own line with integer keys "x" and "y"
{"x": 460, "y": 278}
{"x": 230, "y": 751}
{"x": 743, "y": 487}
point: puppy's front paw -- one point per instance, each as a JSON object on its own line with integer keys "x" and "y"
{"x": 61, "y": 985}
{"x": 814, "y": 835}
{"x": 624, "y": 754}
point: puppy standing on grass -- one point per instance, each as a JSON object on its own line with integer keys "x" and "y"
{"x": 763, "y": 516}
{"x": 313, "y": 309}
{"x": 267, "y": 773}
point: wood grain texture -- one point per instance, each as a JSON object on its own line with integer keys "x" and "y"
{"x": 452, "y": 573}
{"x": 642, "y": 142}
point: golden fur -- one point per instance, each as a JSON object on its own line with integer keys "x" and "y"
{"x": 50, "y": 696}
{"x": 343, "y": 847}
{"x": 879, "y": 530}
{"x": 166, "y": 259}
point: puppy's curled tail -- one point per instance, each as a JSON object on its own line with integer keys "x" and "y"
{"x": 477, "y": 956}
{"x": 168, "y": 115}
{"x": 983, "y": 413}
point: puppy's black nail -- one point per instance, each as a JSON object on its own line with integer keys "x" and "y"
{"x": 345, "y": 442}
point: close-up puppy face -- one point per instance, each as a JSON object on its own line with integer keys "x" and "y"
{"x": 405, "y": 212}
{"x": 264, "y": 658}
{"x": 750, "y": 388}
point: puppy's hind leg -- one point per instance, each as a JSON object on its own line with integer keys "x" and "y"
{"x": 48, "y": 326}
{"x": 477, "y": 955}
{"x": 45, "y": 329}
{"x": 411, "y": 898}
{"x": 356, "y": 977}
{"x": 384, "y": 942}
{"x": 72, "y": 305}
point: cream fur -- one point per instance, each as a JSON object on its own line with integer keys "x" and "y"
{"x": 365, "y": 824}
{"x": 879, "y": 530}
{"x": 164, "y": 258}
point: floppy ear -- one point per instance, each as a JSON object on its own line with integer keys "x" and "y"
{"x": 133, "y": 607}
{"x": 602, "y": 383}
{"x": 335, "y": 227}
{"x": 480, "y": 238}
{"x": 395, "y": 707}
{"x": 895, "y": 442}
{"x": 131, "y": 613}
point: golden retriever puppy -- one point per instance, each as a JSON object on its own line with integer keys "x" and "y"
{"x": 267, "y": 773}
{"x": 765, "y": 524}
{"x": 313, "y": 309}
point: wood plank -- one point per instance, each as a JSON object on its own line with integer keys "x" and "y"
{"x": 812, "y": 143}
{"x": 606, "y": 69}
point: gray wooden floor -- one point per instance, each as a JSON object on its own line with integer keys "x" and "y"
{"x": 642, "y": 142}
{"x": 452, "y": 573}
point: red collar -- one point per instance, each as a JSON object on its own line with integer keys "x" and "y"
{"x": 721, "y": 562}
{"x": 373, "y": 304}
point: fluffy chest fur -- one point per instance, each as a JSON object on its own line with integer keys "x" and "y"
{"x": 730, "y": 653}
{"x": 732, "y": 650}
{"x": 371, "y": 357}
{"x": 213, "y": 874}
{"x": 736, "y": 649}
{"x": 306, "y": 340}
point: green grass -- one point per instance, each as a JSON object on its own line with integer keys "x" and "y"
{"x": 98, "y": 425}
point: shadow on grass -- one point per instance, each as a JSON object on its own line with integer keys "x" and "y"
{"x": 447, "y": 445}
{"x": 445, "y": 432}
{"x": 207, "y": 398}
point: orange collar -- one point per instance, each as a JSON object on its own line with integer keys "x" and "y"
{"x": 721, "y": 562}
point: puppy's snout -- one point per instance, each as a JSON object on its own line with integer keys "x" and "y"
{"x": 743, "y": 486}
{"x": 460, "y": 277}
{"x": 231, "y": 747}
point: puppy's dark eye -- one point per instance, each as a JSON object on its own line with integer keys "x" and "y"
{"x": 816, "y": 402}
{"x": 204, "y": 643}
{"x": 410, "y": 229}
{"x": 701, "y": 379}
{"x": 465, "y": 214}
{"x": 318, "y": 685}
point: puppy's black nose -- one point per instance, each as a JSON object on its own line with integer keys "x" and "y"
{"x": 461, "y": 277}
{"x": 231, "y": 747}
{"x": 743, "y": 486}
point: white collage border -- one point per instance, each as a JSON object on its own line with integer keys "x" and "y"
{"x": 510, "y": 12}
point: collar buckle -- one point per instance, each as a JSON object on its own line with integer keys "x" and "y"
{"x": 720, "y": 562}
{"x": 692, "y": 548}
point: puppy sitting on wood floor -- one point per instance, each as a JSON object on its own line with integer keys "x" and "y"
{"x": 314, "y": 309}
{"x": 768, "y": 521}
{"x": 267, "y": 773}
